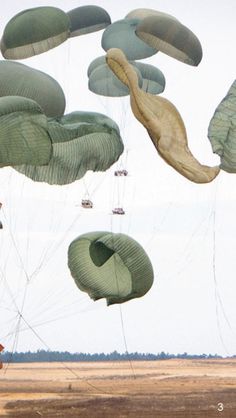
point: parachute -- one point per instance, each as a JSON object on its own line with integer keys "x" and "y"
{"x": 163, "y": 123}
{"x": 103, "y": 81}
{"x": 17, "y": 79}
{"x": 170, "y": 36}
{"x": 34, "y": 31}
{"x": 81, "y": 141}
{"x": 24, "y": 137}
{"x": 116, "y": 35}
{"x": 87, "y": 19}
{"x": 222, "y": 131}
{"x": 153, "y": 78}
{"x": 110, "y": 265}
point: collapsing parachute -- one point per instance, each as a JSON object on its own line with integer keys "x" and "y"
{"x": 34, "y": 31}
{"x": 163, "y": 123}
{"x": 222, "y": 131}
{"x": 81, "y": 141}
{"x": 111, "y": 266}
{"x": 17, "y": 79}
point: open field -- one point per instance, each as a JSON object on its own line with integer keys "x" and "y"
{"x": 167, "y": 388}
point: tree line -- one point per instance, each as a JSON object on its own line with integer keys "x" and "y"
{"x": 51, "y": 356}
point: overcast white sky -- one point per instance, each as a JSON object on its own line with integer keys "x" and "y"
{"x": 188, "y": 230}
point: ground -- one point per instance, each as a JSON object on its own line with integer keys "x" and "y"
{"x": 137, "y": 389}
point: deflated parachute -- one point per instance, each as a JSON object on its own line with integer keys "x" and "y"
{"x": 24, "y": 137}
{"x": 87, "y": 19}
{"x": 81, "y": 141}
{"x": 34, "y": 31}
{"x": 222, "y": 131}
{"x": 17, "y": 79}
{"x": 111, "y": 266}
{"x": 163, "y": 123}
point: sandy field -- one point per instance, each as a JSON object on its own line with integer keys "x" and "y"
{"x": 136, "y": 389}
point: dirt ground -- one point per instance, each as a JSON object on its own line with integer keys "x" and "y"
{"x": 155, "y": 389}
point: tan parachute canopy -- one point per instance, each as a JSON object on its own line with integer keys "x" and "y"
{"x": 163, "y": 123}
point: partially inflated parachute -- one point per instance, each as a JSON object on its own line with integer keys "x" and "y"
{"x": 87, "y": 19}
{"x": 17, "y": 79}
{"x": 24, "y": 137}
{"x": 111, "y": 266}
{"x": 34, "y": 31}
{"x": 81, "y": 141}
{"x": 222, "y": 131}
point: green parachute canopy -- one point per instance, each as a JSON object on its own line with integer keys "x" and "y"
{"x": 24, "y": 137}
{"x": 222, "y": 131}
{"x": 168, "y": 35}
{"x": 34, "y": 31}
{"x": 153, "y": 79}
{"x": 17, "y": 79}
{"x": 122, "y": 35}
{"x": 87, "y": 19}
{"x": 111, "y": 266}
{"x": 103, "y": 81}
{"x": 81, "y": 141}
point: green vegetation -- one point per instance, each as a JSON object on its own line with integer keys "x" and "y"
{"x": 44, "y": 356}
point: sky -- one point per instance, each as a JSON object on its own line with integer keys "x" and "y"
{"x": 188, "y": 230}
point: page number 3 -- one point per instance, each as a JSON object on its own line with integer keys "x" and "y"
{"x": 220, "y": 407}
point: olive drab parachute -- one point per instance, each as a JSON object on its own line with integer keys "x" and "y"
{"x": 110, "y": 265}
{"x": 171, "y": 37}
{"x": 17, "y": 79}
{"x": 163, "y": 123}
{"x": 24, "y": 137}
{"x": 34, "y": 31}
{"x": 81, "y": 141}
{"x": 222, "y": 131}
{"x": 117, "y": 34}
{"x": 87, "y": 19}
{"x": 153, "y": 78}
{"x": 103, "y": 81}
